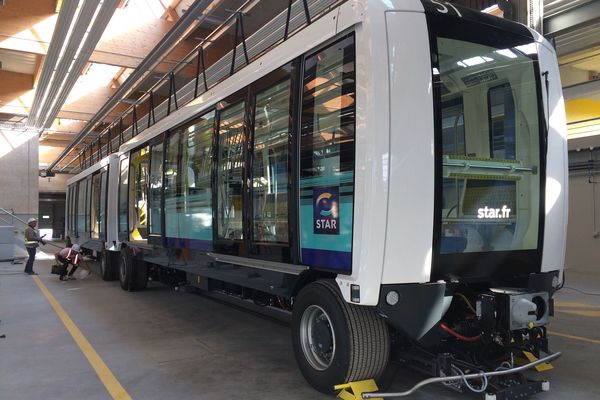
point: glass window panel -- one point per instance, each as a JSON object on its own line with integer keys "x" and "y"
{"x": 155, "y": 189}
{"x": 502, "y": 122}
{"x": 171, "y": 190}
{"x": 138, "y": 194}
{"x": 270, "y": 164}
{"x": 74, "y": 208}
{"x": 81, "y": 206}
{"x": 70, "y": 208}
{"x": 327, "y": 156}
{"x": 102, "y": 222}
{"x": 123, "y": 201}
{"x": 327, "y": 147}
{"x": 197, "y": 156}
{"x": 453, "y": 127}
{"x": 230, "y": 172}
{"x": 491, "y": 184}
{"x": 95, "y": 211}
{"x": 88, "y": 202}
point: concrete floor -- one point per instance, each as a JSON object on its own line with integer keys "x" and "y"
{"x": 165, "y": 344}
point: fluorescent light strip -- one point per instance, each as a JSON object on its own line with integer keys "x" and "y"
{"x": 58, "y": 61}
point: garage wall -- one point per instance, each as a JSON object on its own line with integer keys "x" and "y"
{"x": 55, "y": 184}
{"x": 19, "y": 188}
{"x": 583, "y": 240}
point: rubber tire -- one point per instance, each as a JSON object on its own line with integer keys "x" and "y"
{"x": 133, "y": 274}
{"x": 362, "y": 338}
{"x": 108, "y": 265}
{"x": 126, "y": 270}
{"x": 140, "y": 270}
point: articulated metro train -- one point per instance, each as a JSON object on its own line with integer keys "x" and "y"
{"x": 393, "y": 176}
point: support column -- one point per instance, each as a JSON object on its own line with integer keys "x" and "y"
{"x": 19, "y": 186}
{"x": 528, "y": 12}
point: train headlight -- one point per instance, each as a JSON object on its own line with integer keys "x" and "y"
{"x": 392, "y": 298}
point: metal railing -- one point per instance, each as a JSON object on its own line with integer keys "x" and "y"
{"x": 12, "y": 214}
{"x": 289, "y": 21}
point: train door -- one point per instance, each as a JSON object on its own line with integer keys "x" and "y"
{"x": 230, "y": 171}
{"x": 122, "y": 198}
{"x": 139, "y": 171}
{"x": 98, "y": 207}
{"x": 255, "y": 203}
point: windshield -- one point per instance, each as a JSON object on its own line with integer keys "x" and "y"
{"x": 490, "y": 146}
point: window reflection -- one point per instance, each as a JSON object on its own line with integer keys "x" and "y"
{"x": 196, "y": 179}
{"x": 229, "y": 173}
{"x": 95, "y": 211}
{"x": 490, "y": 148}
{"x": 123, "y": 186}
{"x": 327, "y": 156}
{"x": 328, "y": 111}
{"x": 155, "y": 189}
{"x": 187, "y": 187}
{"x": 138, "y": 195}
{"x": 172, "y": 199}
{"x": 270, "y": 164}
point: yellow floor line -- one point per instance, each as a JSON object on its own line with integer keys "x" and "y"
{"x": 111, "y": 383}
{"x": 574, "y": 305}
{"x": 582, "y": 339}
{"x": 582, "y": 313}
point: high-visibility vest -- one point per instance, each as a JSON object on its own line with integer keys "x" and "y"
{"x": 31, "y": 242}
{"x": 76, "y": 260}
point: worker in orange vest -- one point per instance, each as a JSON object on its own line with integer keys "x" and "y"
{"x": 69, "y": 255}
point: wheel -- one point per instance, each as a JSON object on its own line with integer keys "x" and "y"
{"x": 108, "y": 265}
{"x": 125, "y": 269}
{"x": 140, "y": 269}
{"x": 336, "y": 342}
{"x": 133, "y": 274}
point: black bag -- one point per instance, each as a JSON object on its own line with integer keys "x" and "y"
{"x": 59, "y": 270}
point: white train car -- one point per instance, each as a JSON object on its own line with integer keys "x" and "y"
{"x": 91, "y": 214}
{"x": 394, "y": 176}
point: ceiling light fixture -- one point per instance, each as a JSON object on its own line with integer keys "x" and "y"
{"x": 70, "y": 49}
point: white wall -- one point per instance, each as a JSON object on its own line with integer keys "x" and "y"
{"x": 55, "y": 184}
{"x": 572, "y": 76}
{"x": 583, "y": 245}
{"x": 19, "y": 190}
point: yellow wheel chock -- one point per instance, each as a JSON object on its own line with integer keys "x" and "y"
{"x": 529, "y": 357}
{"x": 354, "y": 390}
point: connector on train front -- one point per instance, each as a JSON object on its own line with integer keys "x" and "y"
{"x": 449, "y": 329}
{"x": 498, "y": 320}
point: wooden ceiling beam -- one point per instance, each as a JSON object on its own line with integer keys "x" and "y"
{"x": 128, "y": 48}
{"x": 39, "y": 63}
{"x": 27, "y": 25}
{"x": 171, "y": 14}
{"x": 16, "y": 92}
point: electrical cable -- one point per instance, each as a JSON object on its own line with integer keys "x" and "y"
{"x": 457, "y": 335}
{"x": 462, "y": 296}
{"x": 474, "y": 389}
{"x": 461, "y": 377}
{"x": 582, "y": 291}
{"x": 564, "y": 280}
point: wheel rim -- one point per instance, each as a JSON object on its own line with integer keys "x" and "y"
{"x": 122, "y": 267}
{"x": 317, "y": 338}
{"x": 103, "y": 263}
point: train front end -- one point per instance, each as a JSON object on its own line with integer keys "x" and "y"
{"x": 499, "y": 201}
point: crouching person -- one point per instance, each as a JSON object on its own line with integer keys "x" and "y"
{"x": 68, "y": 256}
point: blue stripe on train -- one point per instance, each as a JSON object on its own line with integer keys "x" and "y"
{"x": 192, "y": 244}
{"x": 340, "y": 260}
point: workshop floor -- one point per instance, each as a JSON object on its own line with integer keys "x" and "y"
{"x": 160, "y": 344}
